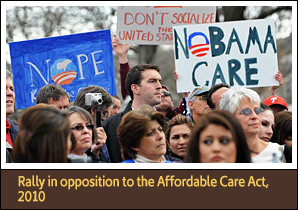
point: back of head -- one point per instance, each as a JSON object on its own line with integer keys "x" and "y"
{"x": 133, "y": 128}
{"x": 42, "y": 136}
{"x": 48, "y": 91}
{"x": 134, "y": 76}
{"x": 283, "y": 127}
{"x": 231, "y": 99}
{"x": 107, "y": 99}
{"x": 229, "y": 122}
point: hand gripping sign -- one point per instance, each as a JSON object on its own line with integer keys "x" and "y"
{"x": 240, "y": 53}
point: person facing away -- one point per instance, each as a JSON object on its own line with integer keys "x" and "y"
{"x": 44, "y": 136}
{"x": 53, "y": 94}
{"x": 143, "y": 83}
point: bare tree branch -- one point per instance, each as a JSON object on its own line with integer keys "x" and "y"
{"x": 266, "y": 13}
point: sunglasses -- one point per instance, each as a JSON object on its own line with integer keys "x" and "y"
{"x": 166, "y": 93}
{"x": 248, "y": 111}
{"x": 81, "y": 127}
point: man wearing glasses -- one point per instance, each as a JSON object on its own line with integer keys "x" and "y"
{"x": 166, "y": 104}
{"x": 197, "y": 102}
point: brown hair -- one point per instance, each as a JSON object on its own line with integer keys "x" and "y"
{"x": 85, "y": 115}
{"x": 283, "y": 127}
{"x": 42, "y": 136}
{"x": 48, "y": 91}
{"x": 228, "y": 121}
{"x": 106, "y": 97}
{"x": 133, "y": 128}
{"x": 178, "y": 120}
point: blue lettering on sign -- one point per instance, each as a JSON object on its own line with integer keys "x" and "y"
{"x": 74, "y": 62}
{"x": 218, "y": 47}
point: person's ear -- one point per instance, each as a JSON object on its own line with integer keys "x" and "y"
{"x": 135, "y": 89}
{"x": 190, "y": 104}
{"x": 93, "y": 112}
{"x": 137, "y": 149}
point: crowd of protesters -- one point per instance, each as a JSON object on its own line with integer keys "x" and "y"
{"x": 220, "y": 124}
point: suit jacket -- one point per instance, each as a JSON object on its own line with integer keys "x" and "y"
{"x": 110, "y": 126}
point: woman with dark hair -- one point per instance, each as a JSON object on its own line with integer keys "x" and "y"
{"x": 141, "y": 136}
{"x": 178, "y": 135}
{"x": 218, "y": 138}
{"x": 44, "y": 136}
{"x": 267, "y": 123}
{"x": 84, "y": 133}
{"x": 282, "y": 132}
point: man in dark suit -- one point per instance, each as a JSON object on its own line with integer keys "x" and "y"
{"x": 143, "y": 83}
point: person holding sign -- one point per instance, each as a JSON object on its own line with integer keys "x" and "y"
{"x": 244, "y": 103}
{"x": 218, "y": 138}
{"x": 121, "y": 51}
{"x": 141, "y": 136}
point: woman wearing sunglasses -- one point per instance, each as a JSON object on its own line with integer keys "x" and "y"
{"x": 245, "y": 105}
{"x": 84, "y": 133}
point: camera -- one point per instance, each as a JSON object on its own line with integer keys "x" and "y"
{"x": 92, "y": 99}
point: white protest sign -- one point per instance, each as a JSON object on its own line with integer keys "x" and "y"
{"x": 152, "y": 25}
{"x": 239, "y": 53}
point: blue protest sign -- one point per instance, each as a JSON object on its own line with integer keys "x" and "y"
{"x": 73, "y": 61}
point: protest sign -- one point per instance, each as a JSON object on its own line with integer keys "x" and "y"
{"x": 240, "y": 53}
{"x": 73, "y": 61}
{"x": 153, "y": 25}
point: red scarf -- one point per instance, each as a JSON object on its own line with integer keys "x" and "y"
{"x": 8, "y": 135}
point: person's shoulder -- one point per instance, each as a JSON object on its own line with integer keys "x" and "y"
{"x": 112, "y": 119}
{"x": 173, "y": 159}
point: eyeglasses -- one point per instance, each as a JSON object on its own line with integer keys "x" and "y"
{"x": 166, "y": 93}
{"x": 81, "y": 127}
{"x": 248, "y": 111}
{"x": 203, "y": 97}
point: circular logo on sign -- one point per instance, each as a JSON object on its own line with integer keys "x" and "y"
{"x": 63, "y": 71}
{"x": 200, "y": 49}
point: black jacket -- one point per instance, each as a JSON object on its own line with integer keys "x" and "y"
{"x": 110, "y": 126}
